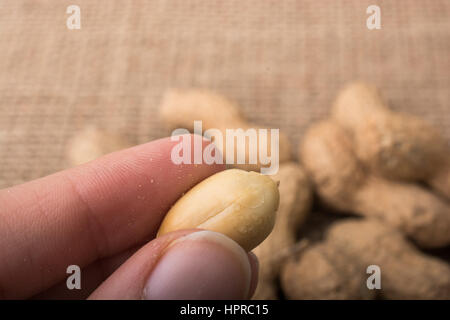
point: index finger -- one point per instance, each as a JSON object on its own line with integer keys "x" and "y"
{"x": 87, "y": 213}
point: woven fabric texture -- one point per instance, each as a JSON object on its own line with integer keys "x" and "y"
{"x": 282, "y": 61}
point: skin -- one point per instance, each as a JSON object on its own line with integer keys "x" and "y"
{"x": 99, "y": 216}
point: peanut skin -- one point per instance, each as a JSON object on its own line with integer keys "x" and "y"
{"x": 295, "y": 202}
{"x": 180, "y": 108}
{"x": 393, "y": 144}
{"x": 342, "y": 182}
{"x": 237, "y": 203}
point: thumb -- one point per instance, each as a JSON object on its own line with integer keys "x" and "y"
{"x": 188, "y": 264}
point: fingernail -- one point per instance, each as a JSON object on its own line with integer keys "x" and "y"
{"x": 201, "y": 265}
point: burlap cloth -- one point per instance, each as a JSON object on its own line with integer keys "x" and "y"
{"x": 283, "y": 61}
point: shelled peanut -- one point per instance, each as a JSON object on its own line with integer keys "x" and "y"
{"x": 240, "y": 204}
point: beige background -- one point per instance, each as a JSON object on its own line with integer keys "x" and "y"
{"x": 283, "y": 61}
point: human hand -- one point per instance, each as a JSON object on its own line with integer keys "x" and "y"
{"x": 103, "y": 217}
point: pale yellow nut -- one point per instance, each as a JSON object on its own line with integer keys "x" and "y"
{"x": 237, "y": 203}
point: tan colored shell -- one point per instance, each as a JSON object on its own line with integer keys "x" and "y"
{"x": 406, "y": 273}
{"x": 91, "y": 143}
{"x": 240, "y": 204}
{"x": 180, "y": 108}
{"x": 295, "y": 203}
{"x": 327, "y": 153}
{"x": 441, "y": 180}
{"x": 393, "y": 144}
{"x": 323, "y": 272}
{"x": 342, "y": 182}
{"x": 417, "y": 212}
{"x": 400, "y": 146}
{"x": 357, "y": 102}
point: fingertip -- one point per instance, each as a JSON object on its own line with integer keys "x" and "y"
{"x": 183, "y": 265}
{"x": 201, "y": 265}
